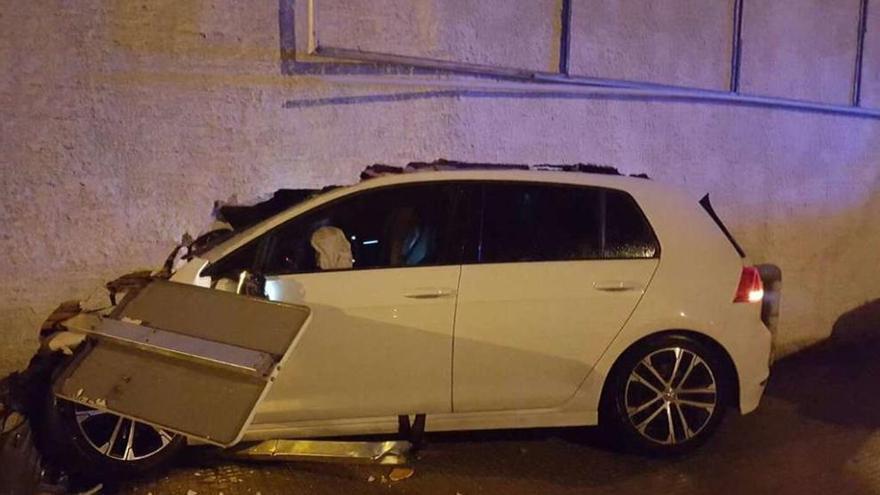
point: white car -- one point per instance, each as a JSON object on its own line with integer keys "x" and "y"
{"x": 503, "y": 299}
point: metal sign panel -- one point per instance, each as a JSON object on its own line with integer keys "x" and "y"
{"x": 183, "y": 358}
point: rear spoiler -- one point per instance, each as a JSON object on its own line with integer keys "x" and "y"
{"x": 707, "y": 205}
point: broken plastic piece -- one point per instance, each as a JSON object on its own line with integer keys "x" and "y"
{"x": 64, "y": 342}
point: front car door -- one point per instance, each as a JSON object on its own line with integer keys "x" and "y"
{"x": 552, "y": 278}
{"x": 379, "y": 270}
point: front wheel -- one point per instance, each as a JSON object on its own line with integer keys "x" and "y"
{"x": 666, "y": 396}
{"x": 98, "y": 445}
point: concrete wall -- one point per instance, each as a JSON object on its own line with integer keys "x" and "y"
{"x": 684, "y": 42}
{"x": 802, "y": 49}
{"x": 121, "y": 122}
{"x": 871, "y": 61}
{"x": 472, "y": 31}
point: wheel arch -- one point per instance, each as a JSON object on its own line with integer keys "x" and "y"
{"x": 731, "y": 375}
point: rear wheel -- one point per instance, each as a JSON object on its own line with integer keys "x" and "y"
{"x": 666, "y": 395}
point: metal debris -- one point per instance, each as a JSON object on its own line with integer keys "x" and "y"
{"x": 389, "y": 452}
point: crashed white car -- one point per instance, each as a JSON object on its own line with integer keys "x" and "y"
{"x": 481, "y": 300}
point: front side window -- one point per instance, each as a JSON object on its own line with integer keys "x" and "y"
{"x": 549, "y": 222}
{"x": 399, "y": 226}
{"x": 231, "y": 266}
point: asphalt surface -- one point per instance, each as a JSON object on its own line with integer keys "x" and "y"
{"x": 817, "y": 431}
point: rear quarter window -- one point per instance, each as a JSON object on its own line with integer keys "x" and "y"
{"x": 627, "y": 232}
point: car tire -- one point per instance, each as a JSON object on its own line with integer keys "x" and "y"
{"x": 666, "y": 395}
{"x": 72, "y": 437}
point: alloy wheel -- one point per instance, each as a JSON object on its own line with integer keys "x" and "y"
{"x": 670, "y": 395}
{"x": 120, "y": 438}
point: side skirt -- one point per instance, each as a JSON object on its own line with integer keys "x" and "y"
{"x": 492, "y": 420}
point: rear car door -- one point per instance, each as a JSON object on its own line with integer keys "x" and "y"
{"x": 380, "y": 340}
{"x": 553, "y": 276}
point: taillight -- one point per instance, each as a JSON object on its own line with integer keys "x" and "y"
{"x": 750, "y": 289}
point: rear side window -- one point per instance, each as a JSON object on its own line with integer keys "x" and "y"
{"x": 546, "y": 222}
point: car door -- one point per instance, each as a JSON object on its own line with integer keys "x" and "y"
{"x": 169, "y": 353}
{"x": 554, "y": 275}
{"x": 380, "y": 272}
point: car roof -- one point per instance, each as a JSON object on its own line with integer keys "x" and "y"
{"x": 502, "y": 174}
{"x": 635, "y": 185}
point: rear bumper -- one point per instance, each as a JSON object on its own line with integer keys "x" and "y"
{"x": 750, "y": 348}
{"x": 753, "y": 365}
{"x": 762, "y": 335}
{"x": 750, "y": 394}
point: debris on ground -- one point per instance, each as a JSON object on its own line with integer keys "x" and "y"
{"x": 94, "y": 490}
{"x": 21, "y": 468}
{"x": 400, "y": 473}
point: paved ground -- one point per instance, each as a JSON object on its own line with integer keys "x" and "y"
{"x": 818, "y": 431}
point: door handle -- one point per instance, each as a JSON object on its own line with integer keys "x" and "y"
{"x": 429, "y": 293}
{"x": 616, "y": 285}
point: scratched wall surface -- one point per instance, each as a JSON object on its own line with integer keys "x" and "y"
{"x": 122, "y": 122}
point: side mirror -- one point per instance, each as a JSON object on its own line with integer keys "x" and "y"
{"x": 251, "y": 284}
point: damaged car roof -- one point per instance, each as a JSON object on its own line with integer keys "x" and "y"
{"x": 242, "y": 216}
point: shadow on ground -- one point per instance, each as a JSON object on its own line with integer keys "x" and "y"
{"x": 837, "y": 380}
{"x": 817, "y": 431}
